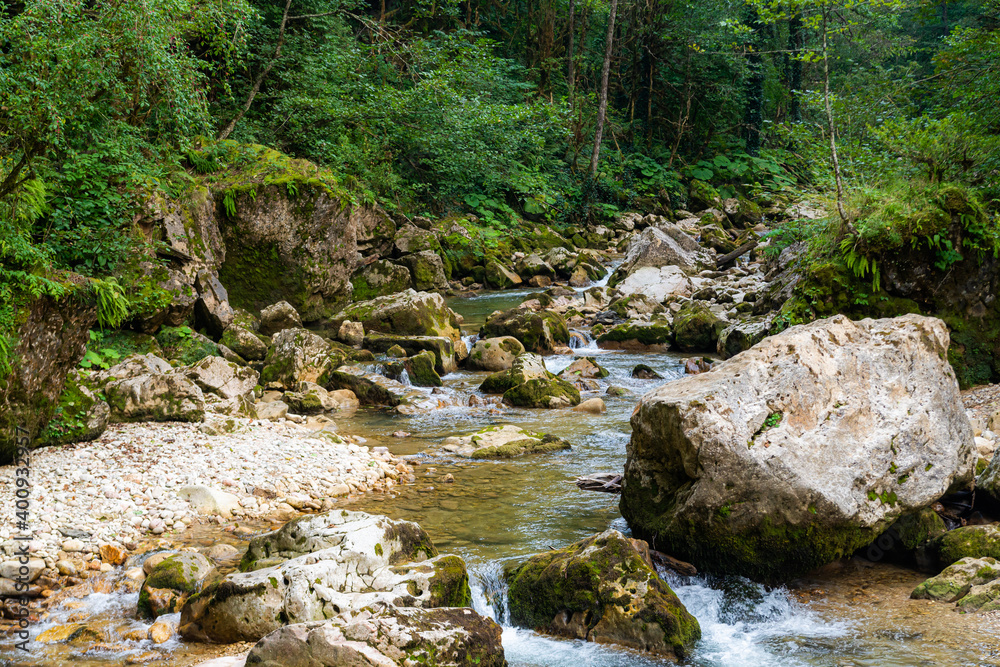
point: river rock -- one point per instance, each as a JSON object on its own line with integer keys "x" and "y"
{"x": 988, "y": 483}
{"x": 386, "y": 636}
{"x": 657, "y": 283}
{"x": 310, "y": 399}
{"x": 663, "y": 245}
{"x": 411, "y": 239}
{"x": 538, "y": 332}
{"x": 298, "y": 355}
{"x": 209, "y": 501}
{"x": 500, "y": 276}
{"x": 502, "y": 442}
{"x": 697, "y": 328}
{"x": 594, "y": 406}
{"x": 420, "y": 369}
{"x": 442, "y": 347}
{"x": 982, "y": 598}
{"x": 583, "y": 368}
{"x": 408, "y": 313}
{"x": 131, "y": 366}
{"x": 278, "y": 317}
{"x": 525, "y": 367}
{"x": 426, "y": 270}
{"x": 741, "y": 336}
{"x": 225, "y": 379}
{"x": 801, "y": 449}
{"x": 351, "y": 333}
{"x": 602, "y": 589}
{"x": 654, "y": 336}
{"x": 957, "y": 580}
{"x": 529, "y": 385}
{"x": 968, "y": 541}
{"x": 494, "y": 354}
{"x": 380, "y": 278}
{"x": 244, "y": 342}
{"x": 172, "y": 581}
{"x": 161, "y": 397}
{"x": 271, "y": 410}
{"x": 369, "y": 388}
{"x": 212, "y": 311}
{"x": 321, "y": 566}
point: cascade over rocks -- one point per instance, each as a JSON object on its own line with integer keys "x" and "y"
{"x": 408, "y": 313}
{"x": 529, "y": 385}
{"x": 602, "y": 589}
{"x": 801, "y": 449}
{"x": 538, "y": 332}
{"x": 442, "y": 347}
{"x": 321, "y": 566}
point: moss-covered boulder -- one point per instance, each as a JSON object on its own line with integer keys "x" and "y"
{"x": 809, "y": 446}
{"x": 411, "y": 239}
{"x": 442, "y": 347}
{"x": 538, "y": 332}
{"x": 386, "y": 635}
{"x": 155, "y": 397}
{"x": 408, "y": 313}
{"x": 370, "y": 388}
{"x": 543, "y": 393}
{"x": 321, "y": 566}
{"x": 500, "y": 276}
{"x": 697, "y": 328}
{"x": 602, "y": 589}
{"x": 426, "y": 270}
{"x": 298, "y": 355}
{"x": 583, "y": 368}
{"x": 172, "y": 581}
{"x": 420, "y": 368}
{"x": 639, "y": 336}
{"x": 988, "y": 482}
{"x": 956, "y": 580}
{"x": 244, "y": 342}
{"x": 982, "y": 598}
{"x": 741, "y": 336}
{"x": 502, "y": 442}
{"x": 968, "y": 541}
{"x": 494, "y": 354}
{"x": 278, "y": 317}
{"x": 525, "y": 367}
{"x": 380, "y": 278}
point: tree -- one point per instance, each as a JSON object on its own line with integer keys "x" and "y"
{"x": 602, "y": 105}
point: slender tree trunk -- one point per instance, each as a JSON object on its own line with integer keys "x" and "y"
{"x": 602, "y": 107}
{"x": 231, "y": 125}
{"x": 754, "y": 113}
{"x": 795, "y": 67}
{"x": 570, "y": 64}
{"x": 832, "y": 126}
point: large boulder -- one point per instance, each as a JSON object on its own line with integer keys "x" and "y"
{"x": 49, "y": 342}
{"x": 602, "y": 589}
{"x": 408, "y": 313}
{"x": 278, "y": 317}
{"x": 384, "y": 636}
{"x": 380, "y": 278}
{"x": 494, "y": 354}
{"x": 159, "y": 397}
{"x": 172, "y": 581}
{"x": 442, "y": 347}
{"x": 298, "y": 355}
{"x": 215, "y": 375}
{"x": 321, "y": 566}
{"x": 801, "y": 449}
{"x": 956, "y": 580}
{"x": 653, "y": 336}
{"x": 499, "y": 276}
{"x": 538, "y": 332}
{"x": 426, "y": 270}
{"x": 370, "y": 388}
{"x": 741, "y": 336}
{"x": 528, "y": 384}
{"x": 966, "y": 542}
{"x": 244, "y": 342}
{"x": 420, "y": 369}
{"x": 657, "y": 283}
{"x": 663, "y": 245}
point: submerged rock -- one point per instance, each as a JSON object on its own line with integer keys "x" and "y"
{"x": 384, "y": 636}
{"x": 502, "y": 442}
{"x": 602, "y": 589}
{"x": 529, "y": 385}
{"x": 800, "y": 450}
{"x": 322, "y": 566}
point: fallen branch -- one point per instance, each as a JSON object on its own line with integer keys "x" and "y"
{"x": 739, "y": 252}
{"x": 605, "y": 482}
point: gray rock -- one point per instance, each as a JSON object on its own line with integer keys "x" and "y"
{"x": 244, "y": 342}
{"x": 209, "y": 501}
{"x": 380, "y": 278}
{"x": 956, "y": 580}
{"x": 831, "y": 430}
{"x": 663, "y": 245}
{"x": 741, "y": 336}
{"x": 298, "y": 355}
{"x": 212, "y": 310}
{"x": 278, "y": 317}
{"x": 351, "y": 333}
{"x": 217, "y": 376}
{"x": 426, "y": 270}
{"x": 272, "y": 411}
{"x": 494, "y": 354}
{"x": 161, "y": 397}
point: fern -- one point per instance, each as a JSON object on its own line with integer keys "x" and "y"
{"x": 229, "y": 203}
{"x": 860, "y": 264}
{"x": 112, "y": 304}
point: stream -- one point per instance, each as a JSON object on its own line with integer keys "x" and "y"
{"x": 852, "y": 614}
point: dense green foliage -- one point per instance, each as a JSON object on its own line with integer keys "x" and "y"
{"x": 486, "y": 107}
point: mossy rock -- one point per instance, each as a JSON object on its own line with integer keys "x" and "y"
{"x": 538, "y": 332}
{"x": 380, "y": 278}
{"x": 542, "y": 393}
{"x": 968, "y": 541}
{"x": 956, "y": 580}
{"x": 697, "y": 328}
{"x": 183, "y": 573}
{"x": 602, "y": 589}
{"x": 636, "y": 334}
{"x": 420, "y": 368}
{"x": 450, "y": 583}
{"x": 182, "y": 346}
{"x": 80, "y": 415}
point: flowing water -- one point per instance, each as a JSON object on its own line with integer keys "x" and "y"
{"x": 855, "y": 614}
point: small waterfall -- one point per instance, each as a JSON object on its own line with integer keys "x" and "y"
{"x": 489, "y": 592}
{"x": 470, "y": 340}
{"x": 404, "y": 379}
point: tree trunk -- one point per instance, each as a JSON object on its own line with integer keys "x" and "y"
{"x": 570, "y": 65}
{"x": 231, "y": 125}
{"x": 602, "y": 107}
{"x": 795, "y": 67}
{"x": 832, "y": 126}
{"x": 753, "y": 118}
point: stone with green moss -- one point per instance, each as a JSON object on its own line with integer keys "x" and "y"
{"x": 298, "y": 355}
{"x": 500, "y": 276}
{"x": 956, "y": 580}
{"x": 502, "y": 442}
{"x": 380, "y": 278}
{"x": 602, "y": 589}
{"x": 408, "y": 313}
{"x": 697, "y": 328}
{"x": 426, "y": 270}
{"x": 80, "y": 415}
{"x": 525, "y": 367}
{"x": 983, "y": 598}
{"x": 244, "y": 342}
{"x": 543, "y": 393}
{"x": 656, "y": 335}
{"x": 968, "y": 541}
{"x": 538, "y": 332}
{"x": 184, "y": 346}
{"x": 181, "y": 574}
{"x": 420, "y": 368}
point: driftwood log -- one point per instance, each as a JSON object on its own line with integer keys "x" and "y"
{"x": 736, "y": 254}
{"x": 606, "y": 482}
{"x": 671, "y": 563}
